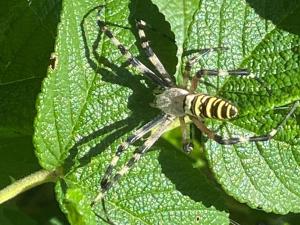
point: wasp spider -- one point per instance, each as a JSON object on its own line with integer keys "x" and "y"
{"x": 175, "y": 102}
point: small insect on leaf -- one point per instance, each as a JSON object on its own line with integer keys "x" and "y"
{"x": 53, "y": 62}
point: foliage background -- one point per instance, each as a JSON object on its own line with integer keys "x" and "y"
{"x": 28, "y": 33}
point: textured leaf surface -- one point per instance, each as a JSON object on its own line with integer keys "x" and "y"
{"x": 264, "y": 175}
{"x": 91, "y": 102}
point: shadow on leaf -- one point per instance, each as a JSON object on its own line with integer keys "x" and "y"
{"x": 282, "y": 13}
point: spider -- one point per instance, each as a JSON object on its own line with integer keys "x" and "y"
{"x": 175, "y": 102}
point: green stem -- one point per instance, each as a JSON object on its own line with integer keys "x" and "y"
{"x": 33, "y": 180}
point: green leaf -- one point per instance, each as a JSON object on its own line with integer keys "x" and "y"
{"x": 263, "y": 175}
{"x": 154, "y": 192}
{"x": 89, "y": 104}
{"x": 93, "y": 100}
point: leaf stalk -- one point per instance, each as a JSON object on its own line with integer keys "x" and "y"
{"x": 28, "y": 182}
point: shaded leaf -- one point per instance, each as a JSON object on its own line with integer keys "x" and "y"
{"x": 9, "y": 216}
{"x": 27, "y": 33}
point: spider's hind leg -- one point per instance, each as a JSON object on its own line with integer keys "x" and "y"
{"x": 236, "y": 140}
{"x": 162, "y": 123}
{"x": 138, "y": 134}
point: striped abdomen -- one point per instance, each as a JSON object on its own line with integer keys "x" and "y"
{"x": 201, "y": 105}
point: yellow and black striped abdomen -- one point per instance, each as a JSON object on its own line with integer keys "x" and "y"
{"x": 201, "y": 105}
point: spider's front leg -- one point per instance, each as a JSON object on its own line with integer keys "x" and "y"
{"x": 206, "y": 72}
{"x": 141, "y": 25}
{"x": 193, "y": 60}
{"x": 129, "y": 57}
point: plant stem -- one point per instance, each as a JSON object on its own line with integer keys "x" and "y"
{"x": 33, "y": 180}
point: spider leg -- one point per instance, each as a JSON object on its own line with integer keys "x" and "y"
{"x": 235, "y": 140}
{"x": 130, "y": 140}
{"x": 204, "y": 72}
{"x": 138, "y": 153}
{"x": 151, "y": 55}
{"x": 129, "y": 57}
{"x": 192, "y": 60}
{"x": 187, "y": 145}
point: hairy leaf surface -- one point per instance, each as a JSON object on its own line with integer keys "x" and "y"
{"x": 93, "y": 100}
